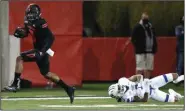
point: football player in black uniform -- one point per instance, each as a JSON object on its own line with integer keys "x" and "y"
{"x": 43, "y": 39}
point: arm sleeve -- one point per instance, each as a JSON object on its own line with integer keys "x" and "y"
{"x": 134, "y": 35}
{"x": 49, "y": 38}
{"x": 155, "y": 41}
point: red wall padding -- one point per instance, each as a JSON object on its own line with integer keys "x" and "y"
{"x": 101, "y": 59}
{"x": 111, "y": 58}
{"x": 107, "y": 58}
{"x": 64, "y": 18}
{"x": 67, "y": 61}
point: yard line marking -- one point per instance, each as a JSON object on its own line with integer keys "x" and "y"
{"x": 163, "y": 105}
{"x": 45, "y": 96}
{"x": 81, "y": 106}
{"x": 172, "y": 105}
{"x": 106, "y": 106}
{"x": 86, "y": 95}
{"x": 51, "y": 98}
{"x": 148, "y": 105}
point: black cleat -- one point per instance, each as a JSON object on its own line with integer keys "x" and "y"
{"x": 70, "y": 92}
{"x": 11, "y": 89}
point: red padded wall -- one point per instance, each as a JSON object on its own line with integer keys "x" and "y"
{"x": 107, "y": 59}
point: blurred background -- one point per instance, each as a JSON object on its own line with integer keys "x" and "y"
{"x": 117, "y": 18}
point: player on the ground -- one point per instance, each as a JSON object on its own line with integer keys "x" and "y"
{"x": 43, "y": 39}
{"x": 135, "y": 89}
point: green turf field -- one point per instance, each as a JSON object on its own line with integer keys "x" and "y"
{"x": 91, "y": 96}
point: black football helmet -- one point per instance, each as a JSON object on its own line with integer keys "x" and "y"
{"x": 33, "y": 12}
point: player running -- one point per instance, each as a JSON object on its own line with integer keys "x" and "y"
{"x": 43, "y": 39}
{"x": 135, "y": 89}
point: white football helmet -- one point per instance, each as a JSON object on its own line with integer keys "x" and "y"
{"x": 113, "y": 90}
{"x": 124, "y": 81}
{"x": 124, "y": 85}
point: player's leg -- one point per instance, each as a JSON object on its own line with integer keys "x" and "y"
{"x": 163, "y": 97}
{"x": 140, "y": 64}
{"x": 176, "y": 94}
{"x": 149, "y": 65}
{"x": 179, "y": 79}
{"x": 162, "y": 80}
{"x": 26, "y": 56}
{"x": 44, "y": 66}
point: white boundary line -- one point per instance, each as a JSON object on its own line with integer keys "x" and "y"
{"x": 50, "y": 98}
{"x": 110, "y": 106}
{"x": 80, "y": 106}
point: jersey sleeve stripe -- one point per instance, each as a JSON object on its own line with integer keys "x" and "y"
{"x": 44, "y": 25}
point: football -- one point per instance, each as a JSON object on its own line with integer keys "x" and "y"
{"x": 20, "y": 32}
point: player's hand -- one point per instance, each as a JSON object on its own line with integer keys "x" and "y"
{"x": 20, "y": 32}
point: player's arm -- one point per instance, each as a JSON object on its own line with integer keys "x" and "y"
{"x": 135, "y": 34}
{"x": 48, "y": 37}
{"x": 144, "y": 99}
{"x": 22, "y": 32}
{"x": 136, "y": 78}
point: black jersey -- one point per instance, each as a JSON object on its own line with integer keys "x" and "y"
{"x": 41, "y": 34}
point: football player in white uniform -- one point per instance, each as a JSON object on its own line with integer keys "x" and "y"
{"x": 137, "y": 89}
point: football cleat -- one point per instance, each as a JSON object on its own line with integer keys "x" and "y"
{"x": 13, "y": 87}
{"x": 179, "y": 79}
{"x": 177, "y": 95}
{"x": 70, "y": 91}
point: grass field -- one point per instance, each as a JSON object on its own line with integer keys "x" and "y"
{"x": 91, "y": 96}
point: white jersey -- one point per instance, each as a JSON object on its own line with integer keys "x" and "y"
{"x": 135, "y": 89}
{"x": 151, "y": 86}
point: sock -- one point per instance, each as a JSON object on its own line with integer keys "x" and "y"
{"x": 179, "y": 79}
{"x": 16, "y": 77}
{"x": 62, "y": 84}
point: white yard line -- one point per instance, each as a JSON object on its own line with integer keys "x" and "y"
{"x": 107, "y": 106}
{"x": 80, "y": 106}
{"x": 146, "y": 105}
{"x": 93, "y": 106}
{"x": 51, "y": 98}
{"x": 44, "y": 96}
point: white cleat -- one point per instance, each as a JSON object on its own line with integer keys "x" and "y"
{"x": 179, "y": 79}
{"x": 177, "y": 95}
